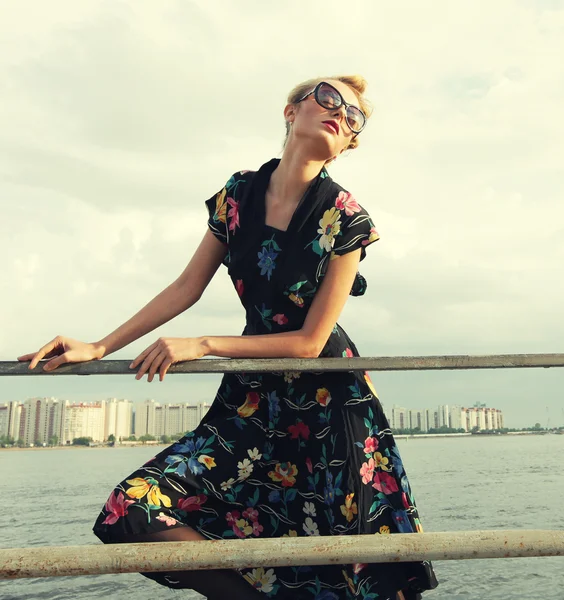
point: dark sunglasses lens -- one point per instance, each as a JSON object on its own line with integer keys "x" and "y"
{"x": 355, "y": 119}
{"x": 328, "y": 96}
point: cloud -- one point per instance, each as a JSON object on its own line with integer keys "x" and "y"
{"x": 119, "y": 119}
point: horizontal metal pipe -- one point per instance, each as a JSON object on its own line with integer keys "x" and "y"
{"x": 269, "y": 365}
{"x": 17, "y": 563}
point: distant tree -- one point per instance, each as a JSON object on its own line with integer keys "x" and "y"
{"x": 165, "y": 439}
{"x": 38, "y": 443}
{"x": 112, "y": 438}
{"x": 81, "y": 441}
{"x": 537, "y": 426}
{"x": 147, "y": 438}
{"x": 6, "y": 441}
{"x": 20, "y": 443}
{"x": 131, "y": 438}
{"x": 53, "y": 440}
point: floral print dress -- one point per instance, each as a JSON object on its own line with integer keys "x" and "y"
{"x": 289, "y": 453}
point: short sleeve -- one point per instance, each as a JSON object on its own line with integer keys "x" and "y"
{"x": 356, "y": 229}
{"x": 217, "y": 215}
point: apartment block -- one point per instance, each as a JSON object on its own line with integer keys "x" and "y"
{"x": 153, "y": 418}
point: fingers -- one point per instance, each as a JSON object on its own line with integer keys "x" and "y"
{"x": 155, "y": 365}
{"x": 147, "y": 362}
{"x": 164, "y": 368}
{"x": 143, "y": 354}
{"x": 43, "y": 351}
{"x": 56, "y": 362}
{"x": 25, "y": 357}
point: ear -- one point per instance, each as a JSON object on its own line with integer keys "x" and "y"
{"x": 289, "y": 113}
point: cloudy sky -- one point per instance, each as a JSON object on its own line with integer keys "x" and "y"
{"x": 118, "y": 118}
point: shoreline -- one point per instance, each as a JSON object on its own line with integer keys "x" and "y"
{"x": 79, "y": 447}
{"x": 399, "y": 436}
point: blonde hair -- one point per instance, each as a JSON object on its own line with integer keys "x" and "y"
{"x": 356, "y": 82}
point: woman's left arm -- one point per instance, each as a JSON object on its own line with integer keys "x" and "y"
{"x": 306, "y": 342}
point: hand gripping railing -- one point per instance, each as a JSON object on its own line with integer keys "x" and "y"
{"x": 178, "y": 556}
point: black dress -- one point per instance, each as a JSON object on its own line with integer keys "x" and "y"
{"x": 284, "y": 454}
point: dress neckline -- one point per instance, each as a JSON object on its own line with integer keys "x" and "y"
{"x": 263, "y": 183}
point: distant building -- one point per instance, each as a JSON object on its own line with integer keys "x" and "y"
{"x": 153, "y": 418}
{"x": 419, "y": 419}
{"x": 457, "y": 418}
{"x": 84, "y": 420}
{"x": 118, "y": 420}
{"x": 4, "y": 414}
{"x": 14, "y": 413}
{"x": 40, "y": 420}
{"x": 454, "y": 417}
{"x": 399, "y": 418}
{"x": 444, "y": 416}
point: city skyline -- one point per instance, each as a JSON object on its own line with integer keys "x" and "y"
{"x": 473, "y": 418}
{"x": 52, "y": 421}
{"x": 38, "y": 419}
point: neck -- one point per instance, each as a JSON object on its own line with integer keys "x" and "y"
{"x": 293, "y": 175}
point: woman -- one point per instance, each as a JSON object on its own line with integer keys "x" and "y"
{"x": 281, "y": 454}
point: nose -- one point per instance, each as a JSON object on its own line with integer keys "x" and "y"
{"x": 339, "y": 112}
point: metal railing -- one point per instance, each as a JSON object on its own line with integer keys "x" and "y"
{"x": 18, "y": 563}
{"x": 266, "y": 365}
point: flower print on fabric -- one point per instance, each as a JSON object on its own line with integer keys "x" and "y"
{"x": 246, "y": 524}
{"x": 373, "y": 237}
{"x": 284, "y": 473}
{"x": 149, "y": 487}
{"x": 297, "y": 295}
{"x": 329, "y": 227}
{"x": 262, "y": 580}
{"x": 349, "y": 508}
{"x": 310, "y": 527}
{"x": 267, "y": 320}
{"x": 192, "y": 503}
{"x": 289, "y": 453}
{"x": 299, "y": 430}
{"x": 356, "y": 231}
{"x": 267, "y": 257}
{"x": 167, "y": 519}
{"x": 346, "y": 202}
{"x": 250, "y": 406}
{"x": 116, "y": 506}
{"x": 367, "y": 471}
{"x": 221, "y": 207}
{"x": 191, "y": 456}
{"x": 233, "y": 214}
{"x": 385, "y": 483}
{"x": 323, "y": 396}
{"x": 218, "y": 213}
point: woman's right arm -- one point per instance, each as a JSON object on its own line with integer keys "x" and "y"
{"x": 180, "y": 295}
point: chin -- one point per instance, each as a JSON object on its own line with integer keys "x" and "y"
{"x": 323, "y": 148}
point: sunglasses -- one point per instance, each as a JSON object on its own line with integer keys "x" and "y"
{"x": 329, "y": 97}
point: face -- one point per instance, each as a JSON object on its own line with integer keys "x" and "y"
{"x": 325, "y": 130}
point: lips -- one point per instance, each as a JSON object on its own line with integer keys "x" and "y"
{"x": 333, "y": 125}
